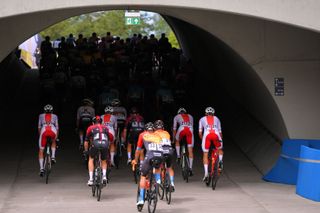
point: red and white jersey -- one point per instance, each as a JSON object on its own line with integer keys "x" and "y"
{"x": 210, "y": 124}
{"x": 48, "y": 119}
{"x": 110, "y": 121}
{"x": 183, "y": 120}
{"x": 120, "y": 113}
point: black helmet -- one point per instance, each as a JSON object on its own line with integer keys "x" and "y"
{"x": 134, "y": 110}
{"x": 87, "y": 102}
{"x": 149, "y": 126}
{"x": 158, "y": 124}
{"x": 115, "y": 102}
{"x": 96, "y": 120}
{"x": 48, "y": 108}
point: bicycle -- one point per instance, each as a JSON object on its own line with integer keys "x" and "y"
{"x": 214, "y": 171}
{"x": 185, "y": 165}
{"x": 47, "y": 159}
{"x": 152, "y": 188}
{"x": 97, "y": 177}
{"x": 165, "y": 187}
{"x": 118, "y": 156}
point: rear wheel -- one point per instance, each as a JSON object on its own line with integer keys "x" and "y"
{"x": 139, "y": 207}
{"x": 98, "y": 183}
{"x": 168, "y": 188}
{"x": 153, "y": 197}
{"x": 215, "y": 176}
{"x": 185, "y": 168}
{"x": 47, "y": 167}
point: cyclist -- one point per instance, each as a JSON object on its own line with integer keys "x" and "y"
{"x": 166, "y": 146}
{"x": 133, "y": 127}
{"x": 185, "y": 122}
{"x": 212, "y": 133}
{"x": 97, "y": 136}
{"x": 121, "y": 114}
{"x": 84, "y": 116}
{"x": 110, "y": 121}
{"x": 47, "y": 127}
{"x": 152, "y": 143}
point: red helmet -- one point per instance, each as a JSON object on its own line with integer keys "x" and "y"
{"x": 97, "y": 119}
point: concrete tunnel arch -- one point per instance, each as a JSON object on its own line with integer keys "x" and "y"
{"x": 250, "y": 95}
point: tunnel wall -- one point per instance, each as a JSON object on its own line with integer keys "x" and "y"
{"x": 226, "y": 82}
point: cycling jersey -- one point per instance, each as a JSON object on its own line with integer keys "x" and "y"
{"x": 212, "y": 132}
{"x": 134, "y": 126}
{"x": 166, "y": 146}
{"x": 48, "y": 125}
{"x": 84, "y": 116}
{"x": 185, "y": 122}
{"x": 153, "y": 145}
{"x": 97, "y": 134}
{"x": 120, "y": 113}
{"x": 110, "y": 121}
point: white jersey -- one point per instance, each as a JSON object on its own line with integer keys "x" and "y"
{"x": 110, "y": 121}
{"x": 48, "y": 119}
{"x": 85, "y": 111}
{"x": 183, "y": 120}
{"x": 210, "y": 124}
{"x": 120, "y": 113}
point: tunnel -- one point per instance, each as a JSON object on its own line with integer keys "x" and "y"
{"x": 233, "y": 69}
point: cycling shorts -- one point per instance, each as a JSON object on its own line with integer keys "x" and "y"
{"x": 84, "y": 124}
{"x": 186, "y": 132}
{"x": 146, "y": 165}
{"x": 168, "y": 153}
{"x": 47, "y": 131}
{"x": 211, "y": 138}
{"x": 99, "y": 145}
{"x": 133, "y": 137}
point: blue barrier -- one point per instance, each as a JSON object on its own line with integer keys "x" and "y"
{"x": 286, "y": 168}
{"x": 308, "y": 183}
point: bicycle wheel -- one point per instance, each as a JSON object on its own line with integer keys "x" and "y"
{"x": 168, "y": 188}
{"x": 99, "y": 183}
{"x": 162, "y": 186}
{"x": 186, "y": 167}
{"x": 153, "y": 197}
{"x": 47, "y": 167}
{"x": 215, "y": 175}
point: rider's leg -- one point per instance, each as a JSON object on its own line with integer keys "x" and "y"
{"x": 157, "y": 175}
{"x": 90, "y": 168}
{"x": 141, "y": 156}
{"x": 104, "y": 168}
{"x": 81, "y": 137}
{"x": 112, "y": 151}
{"x": 53, "y": 148}
{"x": 178, "y": 148}
{"x": 205, "y": 163}
{"x": 40, "y": 154}
{"x": 142, "y": 188}
{"x": 129, "y": 151}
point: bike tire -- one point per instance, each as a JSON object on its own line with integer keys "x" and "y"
{"x": 47, "y": 168}
{"x": 99, "y": 183}
{"x": 215, "y": 176}
{"x": 162, "y": 185}
{"x": 153, "y": 197}
{"x": 168, "y": 189}
{"x": 186, "y": 168}
{"x": 93, "y": 189}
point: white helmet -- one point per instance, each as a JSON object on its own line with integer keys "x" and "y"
{"x": 108, "y": 109}
{"x": 182, "y": 110}
{"x": 48, "y": 108}
{"x": 209, "y": 111}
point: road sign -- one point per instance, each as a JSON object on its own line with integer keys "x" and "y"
{"x": 132, "y": 20}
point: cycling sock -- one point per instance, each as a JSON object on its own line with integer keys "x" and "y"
{"x": 191, "y": 162}
{"x": 104, "y": 172}
{"x": 91, "y": 175}
{"x": 112, "y": 156}
{"x": 178, "y": 151}
{"x": 205, "y": 169}
{"x": 41, "y": 163}
{"x": 172, "y": 180}
{"x": 53, "y": 154}
{"x": 129, "y": 155}
{"x": 220, "y": 158}
{"x": 141, "y": 197}
{"x": 157, "y": 177}
{"x": 141, "y": 162}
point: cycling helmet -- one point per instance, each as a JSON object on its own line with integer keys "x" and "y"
{"x": 96, "y": 120}
{"x": 149, "y": 126}
{"x": 115, "y": 102}
{"x": 108, "y": 109}
{"x": 209, "y": 111}
{"x": 158, "y": 124}
{"x": 87, "y": 102}
{"x": 134, "y": 110}
{"x": 182, "y": 110}
{"x": 48, "y": 108}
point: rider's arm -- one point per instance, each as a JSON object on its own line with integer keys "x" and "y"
{"x": 39, "y": 125}
{"x": 139, "y": 148}
{"x": 200, "y": 129}
{"x": 174, "y": 127}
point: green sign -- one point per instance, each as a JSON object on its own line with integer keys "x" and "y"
{"x": 132, "y": 20}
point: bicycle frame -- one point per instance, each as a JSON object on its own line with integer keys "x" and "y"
{"x": 185, "y": 166}
{"x": 97, "y": 177}
{"x": 47, "y": 159}
{"x": 214, "y": 171}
